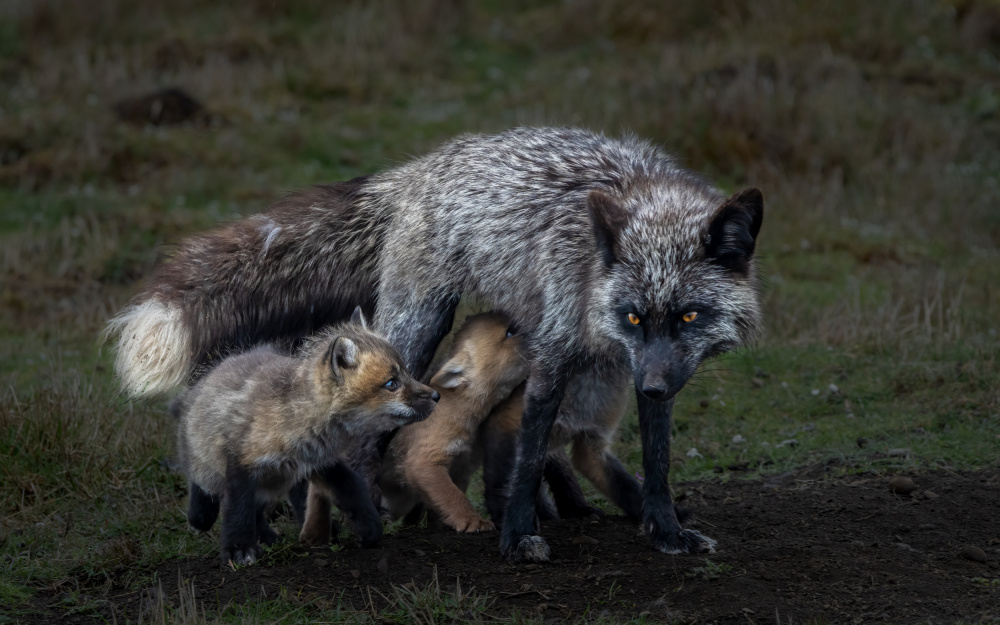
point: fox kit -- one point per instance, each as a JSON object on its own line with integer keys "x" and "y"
{"x": 612, "y": 260}
{"x": 482, "y": 368}
{"x": 260, "y": 422}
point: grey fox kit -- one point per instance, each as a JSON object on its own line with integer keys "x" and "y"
{"x": 260, "y": 422}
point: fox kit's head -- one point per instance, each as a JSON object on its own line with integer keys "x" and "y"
{"x": 679, "y": 282}
{"x": 484, "y": 358}
{"x": 363, "y": 379}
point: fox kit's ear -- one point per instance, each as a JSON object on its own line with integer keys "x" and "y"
{"x": 358, "y": 317}
{"x": 609, "y": 218}
{"x": 732, "y": 235}
{"x": 450, "y": 376}
{"x": 343, "y": 355}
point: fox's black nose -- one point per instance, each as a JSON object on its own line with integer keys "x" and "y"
{"x": 654, "y": 392}
{"x": 435, "y": 396}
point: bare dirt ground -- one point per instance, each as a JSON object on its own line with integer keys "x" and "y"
{"x": 792, "y": 548}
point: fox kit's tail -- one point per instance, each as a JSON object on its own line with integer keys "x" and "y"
{"x": 305, "y": 263}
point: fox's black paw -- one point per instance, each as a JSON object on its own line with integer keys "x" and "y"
{"x": 526, "y": 549}
{"x": 242, "y": 556}
{"x": 681, "y": 541}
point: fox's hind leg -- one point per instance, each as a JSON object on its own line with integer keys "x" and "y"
{"x": 415, "y": 329}
{"x": 203, "y": 508}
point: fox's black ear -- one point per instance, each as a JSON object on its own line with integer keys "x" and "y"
{"x": 449, "y": 377}
{"x": 358, "y": 317}
{"x": 609, "y": 218}
{"x": 343, "y": 355}
{"x": 732, "y": 235}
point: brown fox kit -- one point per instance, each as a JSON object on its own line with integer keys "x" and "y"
{"x": 479, "y": 414}
{"x": 260, "y": 422}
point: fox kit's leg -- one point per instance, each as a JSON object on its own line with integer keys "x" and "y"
{"x": 594, "y": 460}
{"x": 569, "y": 498}
{"x": 297, "y": 498}
{"x": 432, "y": 479}
{"x": 366, "y": 460}
{"x": 265, "y": 534}
{"x": 203, "y": 508}
{"x": 351, "y": 495}
{"x": 316, "y": 524}
{"x": 239, "y": 516}
{"x": 543, "y": 393}
{"x": 659, "y": 517}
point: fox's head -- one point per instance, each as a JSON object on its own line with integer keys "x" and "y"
{"x": 485, "y": 359}
{"x": 679, "y": 283}
{"x": 363, "y": 380}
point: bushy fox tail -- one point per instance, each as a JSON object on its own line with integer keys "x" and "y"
{"x": 155, "y": 352}
{"x": 306, "y": 262}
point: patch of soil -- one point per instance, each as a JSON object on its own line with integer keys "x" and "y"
{"x": 792, "y": 548}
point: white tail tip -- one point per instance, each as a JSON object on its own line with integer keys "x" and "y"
{"x": 154, "y": 348}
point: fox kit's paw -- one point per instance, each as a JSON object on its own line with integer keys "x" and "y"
{"x": 267, "y": 535}
{"x": 472, "y": 525}
{"x": 241, "y": 556}
{"x": 682, "y": 541}
{"x": 525, "y": 549}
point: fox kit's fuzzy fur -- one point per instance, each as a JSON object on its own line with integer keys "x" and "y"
{"x": 605, "y": 253}
{"x": 260, "y": 422}
{"x": 482, "y": 368}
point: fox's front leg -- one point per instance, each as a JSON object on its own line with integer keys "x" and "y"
{"x": 659, "y": 518}
{"x": 434, "y": 482}
{"x": 543, "y": 393}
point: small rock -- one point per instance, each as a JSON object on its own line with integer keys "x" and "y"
{"x": 693, "y": 453}
{"x": 355, "y": 573}
{"x": 543, "y": 607}
{"x": 862, "y": 442}
{"x": 738, "y": 439}
{"x": 757, "y": 382}
{"x": 833, "y": 388}
{"x": 321, "y": 562}
{"x": 644, "y": 613}
{"x": 902, "y": 485}
{"x": 929, "y": 494}
{"x": 973, "y": 553}
{"x": 585, "y": 540}
{"x": 703, "y": 403}
{"x": 790, "y": 442}
{"x": 419, "y": 553}
{"x": 383, "y": 565}
{"x": 899, "y": 452}
{"x": 815, "y": 392}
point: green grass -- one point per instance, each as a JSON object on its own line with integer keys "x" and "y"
{"x": 871, "y": 128}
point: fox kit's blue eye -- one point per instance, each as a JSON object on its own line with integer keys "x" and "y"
{"x": 391, "y": 385}
{"x": 510, "y": 332}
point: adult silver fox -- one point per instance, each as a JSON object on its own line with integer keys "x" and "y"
{"x": 609, "y": 257}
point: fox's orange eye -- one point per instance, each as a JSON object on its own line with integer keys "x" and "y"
{"x": 633, "y": 319}
{"x": 689, "y": 317}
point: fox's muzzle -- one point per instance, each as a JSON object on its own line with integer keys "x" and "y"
{"x": 659, "y": 374}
